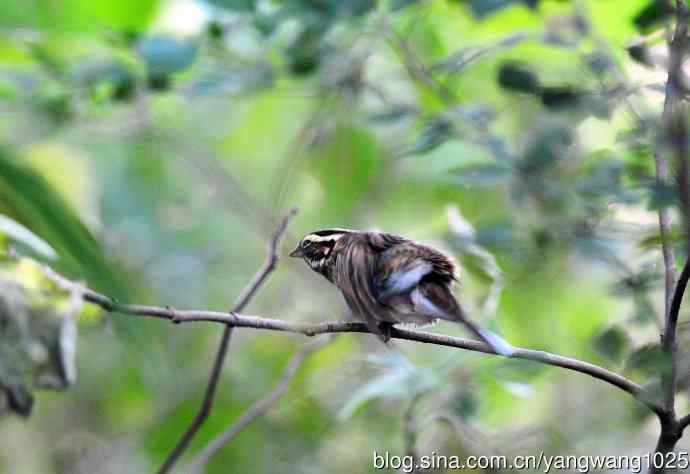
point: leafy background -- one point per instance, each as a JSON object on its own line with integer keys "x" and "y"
{"x": 152, "y": 144}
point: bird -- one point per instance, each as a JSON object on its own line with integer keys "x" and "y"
{"x": 387, "y": 279}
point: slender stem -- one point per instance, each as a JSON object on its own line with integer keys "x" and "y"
{"x": 416, "y": 69}
{"x": 665, "y": 231}
{"x": 259, "y": 408}
{"x": 206, "y": 404}
{"x": 662, "y": 179}
{"x": 675, "y": 136}
{"x": 671, "y": 428}
{"x": 312, "y": 329}
{"x": 244, "y": 298}
{"x": 681, "y": 285}
{"x": 409, "y": 429}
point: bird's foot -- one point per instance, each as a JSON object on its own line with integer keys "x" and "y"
{"x": 385, "y": 330}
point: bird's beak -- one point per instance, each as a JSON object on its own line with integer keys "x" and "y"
{"x": 297, "y": 253}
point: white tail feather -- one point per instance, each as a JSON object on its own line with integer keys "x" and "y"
{"x": 497, "y": 343}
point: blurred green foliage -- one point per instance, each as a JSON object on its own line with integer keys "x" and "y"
{"x": 152, "y": 145}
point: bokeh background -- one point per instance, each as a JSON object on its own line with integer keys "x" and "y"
{"x": 153, "y": 144}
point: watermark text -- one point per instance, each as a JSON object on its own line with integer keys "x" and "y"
{"x": 541, "y": 462}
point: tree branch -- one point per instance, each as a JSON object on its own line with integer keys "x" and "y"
{"x": 671, "y": 428}
{"x": 662, "y": 179}
{"x": 259, "y": 408}
{"x": 206, "y": 404}
{"x": 664, "y": 232}
{"x": 312, "y": 329}
{"x": 681, "y": 285}
{"x": 675, "y": 129}
{"x": 684, "y": 422}
{"x": 245, "y": 297}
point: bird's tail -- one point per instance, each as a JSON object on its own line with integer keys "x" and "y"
{"x": 495, "y": 342}
{"x": 437, "y": 300}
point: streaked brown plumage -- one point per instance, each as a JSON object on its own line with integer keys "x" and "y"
{"x": 387, "y": 279}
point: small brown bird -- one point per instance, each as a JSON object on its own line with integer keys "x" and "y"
{"x": 387, "y": 279}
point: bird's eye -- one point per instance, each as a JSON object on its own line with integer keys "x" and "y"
{"x": 306, "y": 244}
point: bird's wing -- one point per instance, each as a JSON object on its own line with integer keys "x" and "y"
{"x": 402, "y": 266}
{"x": 354, "y": 276}
{"x": 426, "y": 275}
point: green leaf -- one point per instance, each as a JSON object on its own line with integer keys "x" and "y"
{"x": 109, "y": 80}
{"x": 481, "y": 174}
{"x": 438, "y": 131}
{"x": 561, "y": 97}
{"x": 401, "y": 4}
{"x": 661, "y": 195}
{"x": 391, "y": 115}
{"x": 38, "y": 337}
{"x": 640, "y": 53}
{"x": 653, "y": 239}
{"x": 612, "y": 343}
{"x": 643, "y": 313}
{"x": 305, "y": 52}
{"x": 645, "y": 280}
{"x": 28, "y": 199}
{"x": 401, "y": 379}
{"x": 15, "y": 230}
{"x": 266, "y": 23}
{"x": 546, "y": 148}
{"x": 460, "y": 60}
{"x": 79, "y": 15}
{"x": 238, "y": 5}
{"x": 483, "y": 8}
{"x": 653, "y": 14}
{"x": 466, "y": 404}
{"x": 165, "y": 55}
{"x": 517, "y": 77}
{"x": 330, "y": 9}
{"x": 231, "y": 80}
{"x": 475, "y": 258}
{"x": 599, "y": 63}
{"x": 649, "y": 360}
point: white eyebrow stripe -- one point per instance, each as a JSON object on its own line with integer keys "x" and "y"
{"x": 323, "y": 238}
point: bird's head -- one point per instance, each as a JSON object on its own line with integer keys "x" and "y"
{"x": 316, "y": 248}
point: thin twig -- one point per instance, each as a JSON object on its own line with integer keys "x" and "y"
{"x": 674, "y": 91}
{"x": 312, "y": 329}
{"x": 259, "y": 408}
{"x": 470, "y": 437}
{"x": 242, "y": 301}
{"x": 671, "y": 428}
{"x": 417, "y": 70}
{"x": 661, "y": 165}
{"x": 206, "y": 404}
{"x": 675, "y": 129}
{"x": 410, "y": 430}
{"x": 677, "y": 300}
{"x": 665, "y": 231}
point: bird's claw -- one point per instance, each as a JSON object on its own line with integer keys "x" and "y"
{"x": 385, "y": 330}
{"x": 174, "y": 316}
